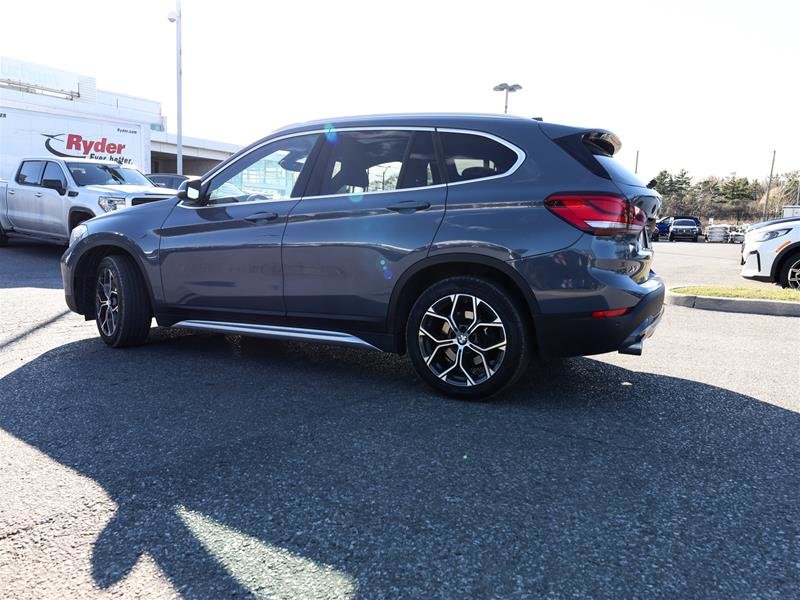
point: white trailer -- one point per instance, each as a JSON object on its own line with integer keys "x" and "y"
{"x": 26, "y": 133}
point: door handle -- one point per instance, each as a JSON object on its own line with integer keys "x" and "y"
{"x": 11, "y": 192}
{"x": 261, "y": 216}
{"x": 38, "y": 194}
{"x": 409, "y": 206}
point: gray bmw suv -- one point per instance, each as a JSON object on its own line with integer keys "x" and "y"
{"x": 470, "y": 242}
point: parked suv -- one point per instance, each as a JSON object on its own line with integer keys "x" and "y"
{"x": 469, "y": 242}
{"x": 771, "y": 252}
{"x": 684, "y": 229}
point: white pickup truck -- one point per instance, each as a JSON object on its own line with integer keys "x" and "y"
{"x": 48, "y": 197}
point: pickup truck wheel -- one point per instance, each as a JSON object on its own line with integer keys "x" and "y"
{"x": 122, "y": 305}
{"x": 467, "y": 338}
{"x": 789, "y": 276}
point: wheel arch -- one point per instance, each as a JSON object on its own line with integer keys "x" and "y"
{"x": 75, "y": 213}
{"x": 432, "y": 269}
{"x": 86, "y": 266}
{"x": 777, "y": 264}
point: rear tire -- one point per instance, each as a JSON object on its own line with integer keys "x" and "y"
{"x": 122, "y": 304}
{"x": 3, "y": 237}
{"x": 789, "y": 276}
{"x": 467, "y": 337}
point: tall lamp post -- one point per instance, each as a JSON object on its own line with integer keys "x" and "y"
{"x": 175, "y": 17}
{"x": 504, "y": 87}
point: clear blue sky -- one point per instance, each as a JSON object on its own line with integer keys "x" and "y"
{"x": 710, "y": 86}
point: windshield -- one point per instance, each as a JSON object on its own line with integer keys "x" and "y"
{"x": 684, "y": 223}
{"x": 102, "y": 174}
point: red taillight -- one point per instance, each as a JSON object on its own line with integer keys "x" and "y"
{"x": 605, "y": 314}
{"x": 597, "y": 214}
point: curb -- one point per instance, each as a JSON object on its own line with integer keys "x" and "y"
{"x": 777, "y": 308}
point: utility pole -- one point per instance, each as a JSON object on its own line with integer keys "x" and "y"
{"x": 176, "y": 17}
{"x": 797, "y": 201}
{"x": 636, "y": 167}
{"x": 769, "y": 185}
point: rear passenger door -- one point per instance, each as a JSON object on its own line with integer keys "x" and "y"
{"x": 374, "y": 202}
{"x": 25, "y": 197}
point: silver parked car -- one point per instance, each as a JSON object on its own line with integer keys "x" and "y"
{"x": 719, "y": 233}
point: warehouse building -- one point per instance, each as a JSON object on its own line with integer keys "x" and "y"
{"x": 47, "y": 111}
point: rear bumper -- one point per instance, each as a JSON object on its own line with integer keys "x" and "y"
{"x": 571, "y": 335}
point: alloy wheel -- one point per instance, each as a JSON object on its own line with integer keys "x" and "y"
{"x": 793, "y": 278}
{"x": 462, "y": 340}
{"x": 107, "y": 302}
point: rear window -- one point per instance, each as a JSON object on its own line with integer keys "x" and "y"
{"x": 470, "y": 156}
{"x": 617, "y": 171}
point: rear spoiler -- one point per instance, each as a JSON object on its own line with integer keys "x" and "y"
{"x": 583, "y": 144}
{"x": 605, "y": 141}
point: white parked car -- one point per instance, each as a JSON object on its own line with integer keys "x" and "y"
{"x": 771, "y": 252}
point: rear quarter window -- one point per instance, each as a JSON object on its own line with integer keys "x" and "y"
{"x": 471, "y": 156}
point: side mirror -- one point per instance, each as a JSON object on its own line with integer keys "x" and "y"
{"x": 54, "y": 184}
{"x": 190, "y": 191}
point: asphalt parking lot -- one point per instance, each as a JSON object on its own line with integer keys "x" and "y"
{"x": 690, "y": 263}
{"x": 204, "y": 466}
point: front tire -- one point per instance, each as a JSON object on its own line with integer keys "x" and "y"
{"x": 789, "y": 276}
{"x": 467, "y": 337}
{"x": 122, "y": 304}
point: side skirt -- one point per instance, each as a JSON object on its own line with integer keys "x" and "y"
{"x": 277, "y": 332}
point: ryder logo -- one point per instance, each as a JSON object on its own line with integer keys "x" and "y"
{"x": 100, "y": 149}
{"x": 76, "y": 142}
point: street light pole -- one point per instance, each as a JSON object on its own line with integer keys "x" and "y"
{"x": 504, "y": 87}
{"x": 769, "y": 185}
{"x": 175, "y": 17}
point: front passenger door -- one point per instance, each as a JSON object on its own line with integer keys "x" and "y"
{"x": 54, "y": 209}
{"x": 223, "y": 256}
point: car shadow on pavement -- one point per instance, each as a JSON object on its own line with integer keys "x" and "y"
{"x": 257, "y": 468}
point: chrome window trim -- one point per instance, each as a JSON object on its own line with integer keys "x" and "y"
{"x": 521, "y": 156}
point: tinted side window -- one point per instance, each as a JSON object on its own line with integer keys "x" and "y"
{"x": 421, "y": 167}
{"x": 53, "y": 172}
{"x": 269, "y": 173}
{"x": 469, "y": 156}
{"x": 30, "y": 172}
{"x": 365, "y": 161}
